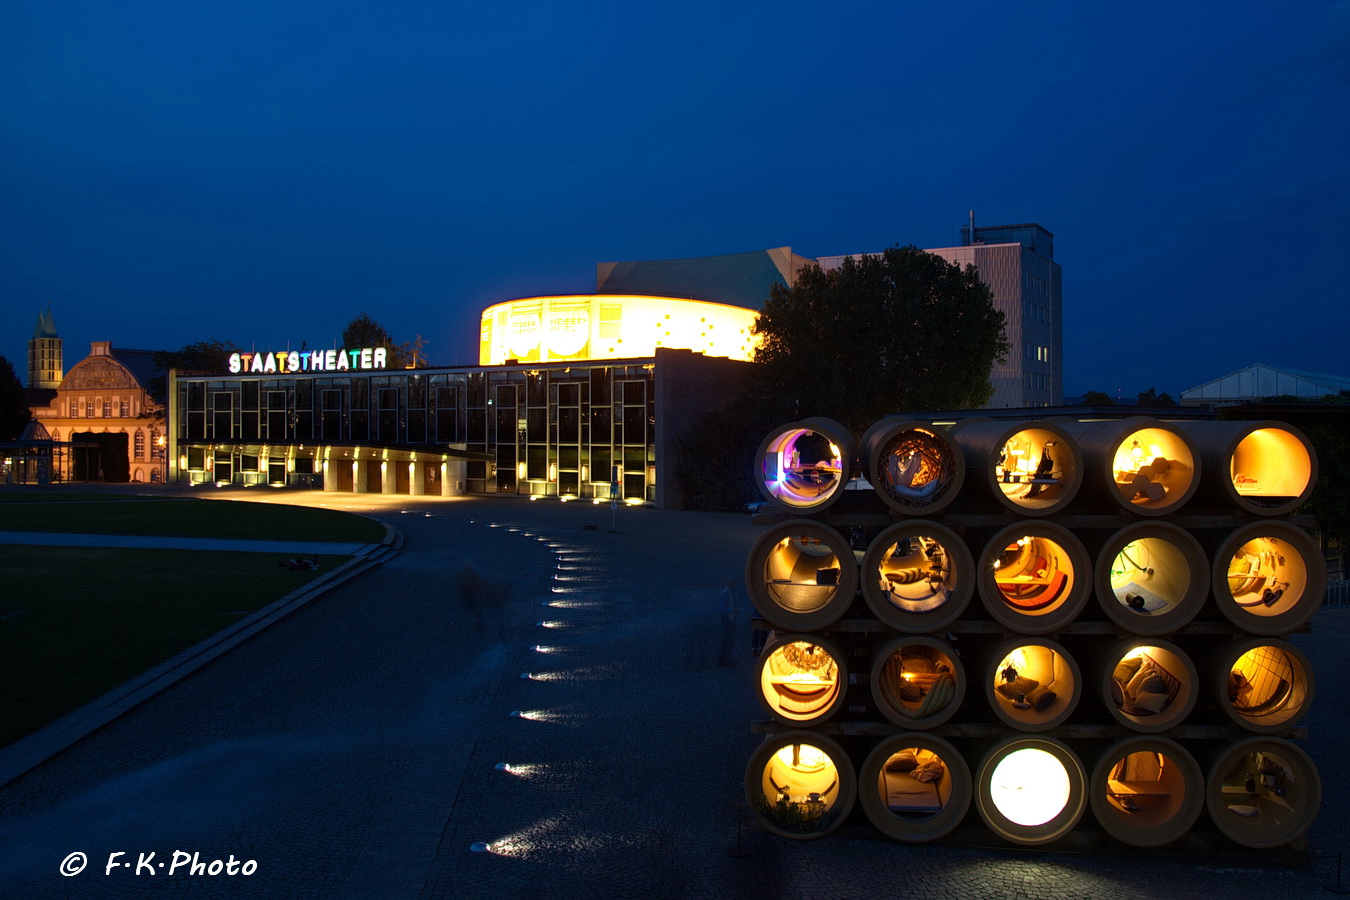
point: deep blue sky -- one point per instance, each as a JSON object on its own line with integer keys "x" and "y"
{"x": 261, "y": 172}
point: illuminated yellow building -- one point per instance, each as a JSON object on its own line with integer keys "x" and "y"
{"x": 611, "y": 326}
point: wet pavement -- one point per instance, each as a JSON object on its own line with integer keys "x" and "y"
{"x": 355, "y": 749}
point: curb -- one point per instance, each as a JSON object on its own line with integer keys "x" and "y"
{"x": 35, "y": 749}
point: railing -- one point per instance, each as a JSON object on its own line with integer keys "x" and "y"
{"x": 1338, "y": 594}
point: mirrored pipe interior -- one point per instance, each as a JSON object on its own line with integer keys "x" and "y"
{"x": 916, "y": 469}
{"x": 1140, "y": 465}
{"x": 1152, "y": 577}
{"x": 804, "y": 466}
{"x": 1151, "y": 685}
{"x": 1264, "y": 468}
{"x": 1268, "y": 577}
{"x": 915, "y": 787}
{"x": 1032, "y": 684}
{"x": 1266, "y": 685}
{"x": 1031, "y": 790}
{"x": 1147, "y": 792}
{"x": 800, "y": 784}
{"x": 801, "y": 575}
{"x": 917, "y": 576}
{"x": 918, "y": 682}
{"x": 802, "y": 679}
{"x": 1031, "y": 468}
{"x": 1035, "y": 577}
{"x": 1263, "y": 792}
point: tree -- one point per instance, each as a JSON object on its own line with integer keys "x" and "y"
{"x": 903, "y": 330}
{"x": 1097, "y": 398}
{"x": 201, "y": 357}
{"x": 364, "y": 331}
{"x": 1151, "y": 397}
{"x": 14, "y": 413}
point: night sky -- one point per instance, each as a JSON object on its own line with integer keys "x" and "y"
{"x": 262, "y": 172}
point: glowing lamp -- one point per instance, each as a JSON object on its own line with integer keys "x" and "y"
{"x": 1029, "y": 787}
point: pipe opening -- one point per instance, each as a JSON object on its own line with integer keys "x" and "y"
{"x": 1263, "y": 792}
{"x": 1147, "y": 792}
{"x": 918, "y": 683}
{"x": 1031, "y": 791}
{"x": 1035, "y": 469}
{"x": 918, "y": 576}
{"x": 1269, "y": 577}
{"x": 1269, "y": 467}
{"x": 800, "y": 785}
{"x": 1033, "y": 685}
{"x": 802, "y": 467}
{"x": 913, "y": 468}
{"x": 801, "y": 575}
{"x": 1270, "y": 686}
{"x": 1154, "y": 468}
{"x": 916, "y": 788}
{"x": 1034, "y": 575}
{"x": 1152, "y": 687}
{"x": 1150, "y": 576}
{"x": 800, "y": 680}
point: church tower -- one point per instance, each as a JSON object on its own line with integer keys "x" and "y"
{"x": 45, "y": 368}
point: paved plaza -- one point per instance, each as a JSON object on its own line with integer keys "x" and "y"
{"x": 352, "y": 750}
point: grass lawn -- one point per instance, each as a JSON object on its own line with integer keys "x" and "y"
{"x": 75, "y": 622}
{"x": 183, "y": 517}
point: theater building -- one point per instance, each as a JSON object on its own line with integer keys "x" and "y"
{"x": 573, "y": 395}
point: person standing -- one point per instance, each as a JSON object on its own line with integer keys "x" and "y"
{"x": 728, "y": 606}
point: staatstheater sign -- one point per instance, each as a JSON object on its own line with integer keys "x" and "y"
{"x": 287, "y": 361}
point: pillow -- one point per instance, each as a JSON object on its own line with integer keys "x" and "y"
{"x": 1020, "y": 685}
{"x": 1136, "y": 684}
{"x": 1040, "y": 698}
{"x": 916, "y": 664}
{"x": 927, "y": 772}
{"x": 1150, "y": 702}
{"x": 1126, "y": 668}
{"x": 1154, "y": 684}
{"x": 904, "y": 761}
{"x": 908, "y": 691}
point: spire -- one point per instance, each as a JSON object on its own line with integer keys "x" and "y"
{"x": 46, "y": 325}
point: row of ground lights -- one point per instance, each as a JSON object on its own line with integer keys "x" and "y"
{"x": 564, "y": 581}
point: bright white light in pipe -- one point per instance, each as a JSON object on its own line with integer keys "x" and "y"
{"x": 1029, "y": 787}
{"x": 544, "y": 715}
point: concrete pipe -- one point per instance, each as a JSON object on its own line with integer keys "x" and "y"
{"x": 1268, "y": 577}
{"x": 804, "y": 466}
{"x": 1151, "y": 577}
{"x": 916, "y": 469}
{"x": 1030, "y": 790}
{"x": 1034, "y": 577}
{"x": 918, "y": 682}
{"x": 1147, "y": 791}
{"x": 915, "y": 787}
{"x": 800, "y": 784}
{"x": 1265, "y": 685}
{"x": 918, "y": 576}
{"x": 802, "y": 679}
{"x": 1030, "y": 468}
{"x": 1263, "y": 792}
{"x": 1032, "y": 684}
{"x": 801, "y": 575}
{"x": 1265, "y": 468}
{"x": 1151, "y": 685}
{"x": 1141, "y": 465}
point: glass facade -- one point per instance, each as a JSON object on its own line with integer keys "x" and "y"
{"x": 551, "y": 430}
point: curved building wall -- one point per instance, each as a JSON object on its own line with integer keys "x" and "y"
{"x": 611, "y": 326}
